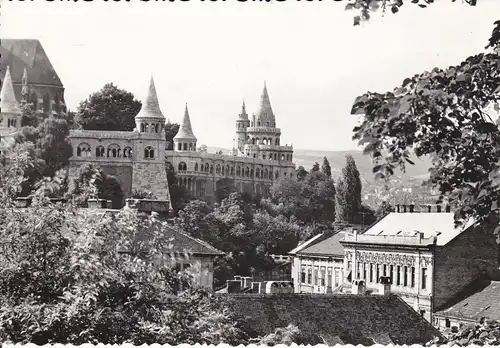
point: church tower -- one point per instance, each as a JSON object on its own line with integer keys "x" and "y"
{"x": 150, "y": 122}
{"x": 242, "y": 123}
{"x": 185, "y": 140}
{"x": 11, "y": 113}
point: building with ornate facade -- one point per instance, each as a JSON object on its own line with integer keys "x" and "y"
{"x": 426, "y": 259}
{"x": 256, "y": 161}
{"x": 33, "y": 77}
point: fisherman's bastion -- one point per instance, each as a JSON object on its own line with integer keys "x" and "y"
{"x": 139, "y": 159}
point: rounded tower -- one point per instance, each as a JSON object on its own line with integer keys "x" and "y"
{"x": 242, "y": 123}
{"x": 185, "y": 140}
{"x": 150, "y": 121}
{"x": 11, "y": 113}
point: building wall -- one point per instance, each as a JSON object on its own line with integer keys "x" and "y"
{"x": 132, "y": 169}
{"x": 460, "y": 262}
{"x": 316, "y": 274}
{"x": 200, "y": 267}
{"x": 253, "y": 177}
{"x": 447, "y": 322}
{"x": 363, "y": 261}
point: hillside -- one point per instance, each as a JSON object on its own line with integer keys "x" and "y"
{"x": 306, "y": 158}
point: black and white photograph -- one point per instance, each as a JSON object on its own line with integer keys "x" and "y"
{"x": 250, "y": 172}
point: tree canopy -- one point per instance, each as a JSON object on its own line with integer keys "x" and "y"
{"x": 111, "y": 109}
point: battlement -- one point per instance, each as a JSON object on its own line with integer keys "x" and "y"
{"x": 264, "y": 130}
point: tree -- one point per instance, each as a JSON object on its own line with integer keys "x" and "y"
{"x": 445, "y": 114}
{"x": 110, "y": 109}
{"x": 51, "y": 150}
{"x": 315, "y": 167}
{"x": 171, "y": 130}
{"x": 325, "y": 168}
{"x": 384, "y": 209}
{"x": 366, "y": 7}
{"x": 107, "y": 186}
{"x": 348, "y": 193}
{"x": 288, "y": 335}
{"x": 71, "y": 276}
{"x": 300, "y": 173}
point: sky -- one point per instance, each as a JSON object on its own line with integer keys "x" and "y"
{"x": 212, "y": 55}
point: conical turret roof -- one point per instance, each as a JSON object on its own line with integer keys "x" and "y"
{"x": 185, "y": 130}
{"x": 243, "y": 115}
{"x": 151, "y": 107}
{"x": 265, "y": 113}
{"x": 8, "y": 102}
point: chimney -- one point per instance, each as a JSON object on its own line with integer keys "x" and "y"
{"x": 429, "y": 208}
{"x": 233, "y": 286}
{"x": 404, "y": 208}
{"x": 438, "y": 207}
{"x": 412, "y": 208}
{"x": 358, "y": 287}
{"x": 448, "y": 208}
{"x": 385, "y": 286}
{"x": 397, "y": 208}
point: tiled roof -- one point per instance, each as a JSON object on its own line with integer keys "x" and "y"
{"x": 185, "y": 130}
{"x": 328, "y": 247}
{"x": 265, "y": 113}
{"x": 351, "y": 319}
{"x": 484, "y": 302}
{"x": 150, "y": 106}
{"x": 20, "y": 54}
{"x": 440, "y": 225}
{"x": 305, "y": 244}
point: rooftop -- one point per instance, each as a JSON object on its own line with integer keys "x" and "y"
{"x": 407, "y": 227}
{"x": 483, "y": 302}
{"x": 331, "y": 319}
{"x": 330, "y": 246}
{"x": 26, "y": 53}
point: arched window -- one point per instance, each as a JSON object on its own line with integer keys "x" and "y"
{"x": 287, "y": 157}
{"x": 185, "y": 146}
{"x": 266, "y": 174}
{"x": 46, "y": 103}
{"x": 282, "y": 156}
{"x": 217, "y": 169}
{"x": 253, "y": 141}
{"x": 251, "y": 173}
{"x": 207, "y": 167}
{"x": 227, "y": 170}
{"x": 127, "y": 152}
{"x": 157, "y": 128}
{"x": 149, "y": 152}
{"x": 257, "y": 141}
{"x": 179, "y": 146}
{"x": 152, "y": 127}
{"x": 196, "y": 167}
{"x": 143, "y": 128}
{"x": 291, "y": 157}
{"x": 232, "y": 171}
{"x": 238, "y": 171}
{"x": 275, "y": 156}
{"x": 257, "y": 173}
{"x": 211, "y": 169}
{"x": 34, "y": 101}
{"x": 146, "y": 129}
{"x": 114, "y": 151}
{"x": 270, "y": 174}
{"x": 99, "y": 151}
{"x": 182, "y": 167}
{"x": 190, "y": 146}
{"x": 277, "y": 174}
{"x": 277, "y": 141}
{"x": 247, "y": 172}
{"x": 83, "y": 150}
{"x": 264, "y": 156}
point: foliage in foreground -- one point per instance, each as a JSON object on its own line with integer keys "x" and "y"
{"x": 70, "y": 275}
{"x": 447, "y": 114}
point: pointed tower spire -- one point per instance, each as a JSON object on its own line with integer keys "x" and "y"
{"x": 185, "y": 130}
{"x": 150, "y": 107}
{"x": 265, "y": 114}
{"x": 8, "y": 102}
{"x": 24, "y": 89}
{"x": 243, "y": 115}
